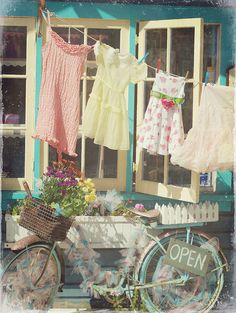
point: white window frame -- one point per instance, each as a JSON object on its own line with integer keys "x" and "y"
{"x": 101, "y": 183}
{"x": 163, "y": 189}
{"x": 27, "y": 128}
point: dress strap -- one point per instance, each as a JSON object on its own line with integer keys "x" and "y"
{"x": 48, "y": 19}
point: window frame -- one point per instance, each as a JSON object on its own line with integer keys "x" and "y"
{"x": 101, "y": 184}
{"x": 156, "y": 188}
{"x": 28, "y": 127}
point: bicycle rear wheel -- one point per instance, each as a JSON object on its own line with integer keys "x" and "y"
{"x": 19, "y": 276}
{"x": 197, "y": 294}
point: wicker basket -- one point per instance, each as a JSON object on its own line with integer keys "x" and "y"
{"x": 42, "y": 221}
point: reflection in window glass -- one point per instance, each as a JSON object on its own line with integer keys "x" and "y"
{"x": 70, "y": 35}
{"x": 182, "y": 51}
{"x": 187, "y": 108}
{"x": 110, "y": 163}
{"x": 110, "y": 37}
{"x": 13, "y": 157}
{"x": 81, "y": 101}
{"x": 93, "y": 164}
{"x": 52, "y": 155}
{"x": 179, "y": 176}
{"x": 153, "y": 167}
{"x": 89, "y": 88}
{"x": 13, "y": 52}
{"x": 147, "y": 92}
{"x": 92, "y": 152}
{"x": 156, "y": 45}
{"x": 13, "y": 93}
{"x": 211, "y": 42}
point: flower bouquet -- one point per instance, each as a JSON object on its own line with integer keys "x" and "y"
{"x": 64, "y": 189}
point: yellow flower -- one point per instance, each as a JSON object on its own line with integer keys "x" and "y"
{"x": 80, "y": 183}
{"x": 89, "y": 183}
{"x": 90, "y": 198}
{"x": 85, "y": 190}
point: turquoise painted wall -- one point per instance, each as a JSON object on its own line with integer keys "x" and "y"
{"x": 135, "y": 13}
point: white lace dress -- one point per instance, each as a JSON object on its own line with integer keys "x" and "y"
{"x": 209, "y": 144}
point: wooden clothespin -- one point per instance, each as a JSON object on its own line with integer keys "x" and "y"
{"x": 41, "y": 7}
{"x": 158, "y": 64}
{"x": 186, "y": 76}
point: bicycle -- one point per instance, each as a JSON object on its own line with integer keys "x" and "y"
{"x": 34, "y": 275}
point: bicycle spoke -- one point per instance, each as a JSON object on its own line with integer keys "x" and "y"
{"x": 168, "y": 289}
{"x": 18, "y": 279}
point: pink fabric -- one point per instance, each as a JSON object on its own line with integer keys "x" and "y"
{"x": 59, "y": 107}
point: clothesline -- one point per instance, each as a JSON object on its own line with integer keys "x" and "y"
{"x": 53, "y": 14}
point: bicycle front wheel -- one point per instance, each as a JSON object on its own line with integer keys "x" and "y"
{"x": 20, "y": 289}
{"x": 165, "y": 294}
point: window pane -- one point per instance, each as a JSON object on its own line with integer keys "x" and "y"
{"x": 108, "y": 36}
{"x": 81, "y": 101}
{"x": 147, "y": 92}
{"x": 91, "y": 159}
{"x": 153, "y": 167}
{"x": 110, "y": 163}
{"x": 96, "y": 161}
{"x": 156, "y": 45}
{"x": 13, "y": 53}
{"x": 13, "y": 157}
{"x": 211, "y": 42}
{"x": 52, "y": 155}
{"x": 182, "y": 51}
{"x": 13, "y": 93}
{"x": 187, "y": 108}
{"x": 179, "y": 176}
{"x": 70, "y": 35}
{"x": 89, "y": 88}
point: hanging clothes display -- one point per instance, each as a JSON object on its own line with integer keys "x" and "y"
{"x": 162, "y": 128}
{"x": 106, "y": 116}
{"x": 59, "y": 107}
{"x": 209, "y": 144}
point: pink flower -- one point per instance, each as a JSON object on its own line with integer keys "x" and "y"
{"x": 139, "y": 207}
{"x": 162, "y": 79}
{"x": 167, "y": 103}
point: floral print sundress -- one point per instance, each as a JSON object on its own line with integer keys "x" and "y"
{"x": 162, "y": 129}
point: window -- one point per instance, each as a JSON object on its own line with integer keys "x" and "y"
{"x": 178, "y": 43}
{"x": 106, "y": 167}
{"x": 18, "y": 92}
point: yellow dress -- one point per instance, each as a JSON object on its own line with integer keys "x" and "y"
{"x": 106, "y": 115}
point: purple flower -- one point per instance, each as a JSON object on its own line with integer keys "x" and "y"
{"x": 60, "y": 174}
{"x": 61, "y": 184}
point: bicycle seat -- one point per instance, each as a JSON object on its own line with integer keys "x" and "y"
{"x": 148, "y": 214}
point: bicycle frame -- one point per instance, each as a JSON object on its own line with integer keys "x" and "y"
{"x": 132, "y": 284}
{"x": 32, "y": 239}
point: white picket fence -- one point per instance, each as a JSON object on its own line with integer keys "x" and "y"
{"x": 188, "y": 213}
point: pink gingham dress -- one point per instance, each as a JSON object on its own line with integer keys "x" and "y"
{"x": 162, "y": 129}
{"x": 59, "y": 106}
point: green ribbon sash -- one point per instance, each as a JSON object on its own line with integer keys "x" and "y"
{"x": 160, "y": 95}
